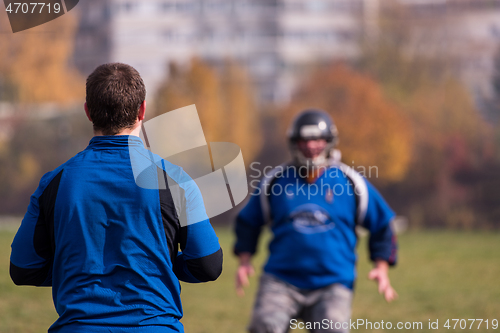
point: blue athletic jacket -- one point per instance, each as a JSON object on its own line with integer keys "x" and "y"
{"x": 313, "y": 226}
{"x": 108, "y": 247}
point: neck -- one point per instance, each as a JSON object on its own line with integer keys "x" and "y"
{"x": 136, "y": 130}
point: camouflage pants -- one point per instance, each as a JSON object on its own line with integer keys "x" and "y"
{"x": 278, "y": 305}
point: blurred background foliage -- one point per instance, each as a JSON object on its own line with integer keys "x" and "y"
{"x": 224, "y": 100}
{"x": 405, "y": 112}
{"x": 35, "y": 64}
{"x": 372, "y": 130}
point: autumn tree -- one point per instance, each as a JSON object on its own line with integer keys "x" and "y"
{"x": 35, "y": 69}
{"x": 35, "y": 63}
{"x": 451, "y": 140}
{"x": 372, "y": 130}
{"x": 242, "y": 117}
{"x": 35, "y": 147}
{"x": 495, "y": 83}
{"x": 224, "y": 100}
{"x": 492, "y": 102}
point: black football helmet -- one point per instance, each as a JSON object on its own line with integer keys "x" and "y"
{"x": 312, "y": 124}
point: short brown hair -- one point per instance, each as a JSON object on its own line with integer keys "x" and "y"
{"x": 115, "y": 93}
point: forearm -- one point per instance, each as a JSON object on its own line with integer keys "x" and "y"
{"x": 27, "y": 267}
{"x": 39, "y": 277}
{"x": 197, "y": 270}
{"x": 201, "y": 257}
{"x": 245, "y": 269}
{"x": 245, "y": 258}
{"x": 381, "y": 264}
{"x": 247, "y": 236}
{"x": 383, "y": 246}
{"x": 380, "y": 273}
{"x": 31, "y": 255}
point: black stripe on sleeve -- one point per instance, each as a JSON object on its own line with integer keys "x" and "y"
{"x": 43, "y": 240}
{"x": 169, "y": 216}
{"x": 207, "y": 268}
{"x": 31, "y": 277}
{"x": 204, "y": 269}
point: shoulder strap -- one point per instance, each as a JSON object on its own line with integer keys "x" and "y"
{"x": 265, "y": 191}
{"x": 359, "y": 185}
{"x": 360, "y": 191}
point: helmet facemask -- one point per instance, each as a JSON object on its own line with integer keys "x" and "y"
{"x": 313, "y": 125}
{"x": 320, "y": 159}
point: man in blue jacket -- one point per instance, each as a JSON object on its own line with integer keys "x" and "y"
{"x": 107, "y": 246}
{"x": 312, "y": 206}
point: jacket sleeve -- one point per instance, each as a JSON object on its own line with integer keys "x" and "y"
{"x": 200, "y": 258}
{"x": 382, "y": 243}
{"x": 249, "y": 224}
{"x": 193, "y": 264}
{"x": 33, "y": 246}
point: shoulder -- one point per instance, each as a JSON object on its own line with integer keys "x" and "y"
{"x": 147, "y": 166}
{"x": 48, "y": 177}
{"x": 277, "y": 171}
{"x": 51, "y": 180}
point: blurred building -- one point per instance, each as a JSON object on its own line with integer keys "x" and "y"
{"x": 275, "y": 40}
{"x": 311, "y": 33}
{"x": 463, "y": 33}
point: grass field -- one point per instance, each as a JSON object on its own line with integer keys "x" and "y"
{"x": 441, "y": 275}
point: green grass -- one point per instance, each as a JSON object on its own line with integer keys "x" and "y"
{"x": 441, "y": 275}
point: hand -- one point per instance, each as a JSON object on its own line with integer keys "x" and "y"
{"x": 245, "y": 269}
{"x": 381, "y": 274}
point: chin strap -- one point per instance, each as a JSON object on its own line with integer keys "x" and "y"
{"x": 335, "y": 157}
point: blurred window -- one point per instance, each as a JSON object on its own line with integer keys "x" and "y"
{"x": 291, "y": 5}
{"x": 171, "y": 36}
{"x": 130, "y": 6}
{"x": 167, "y": 6}
{"x": 187, "y": 6}
{"x": 217, "y": 6}
{"x": 316, "y": 5}
{"x": 495, "y": 30}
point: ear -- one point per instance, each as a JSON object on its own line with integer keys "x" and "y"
{"x": 142, "y": 111}
{"x": 87, "y": 111}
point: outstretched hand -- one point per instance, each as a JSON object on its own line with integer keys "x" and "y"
{"x": 245, "y": 270}
{"x": 381, "y": 274}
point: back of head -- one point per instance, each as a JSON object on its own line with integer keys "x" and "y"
{"x": 115, "y": 93}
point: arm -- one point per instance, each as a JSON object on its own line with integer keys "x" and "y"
{"x": 247, "y": 236}
{"x": 383, "y": 252}
{"x": 248, "y": 227}
{"x": 33, "y": 246}
{"x": 380, "y": 273}
{"x": 245, "y": 269}
{"x": 200, "y": 259}
{"x": 201, "y": 256}
{"x": 382, "y": 243}
{"x": 30, "y": 265}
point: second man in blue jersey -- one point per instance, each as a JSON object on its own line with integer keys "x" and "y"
{"x": 312, "y": 206}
